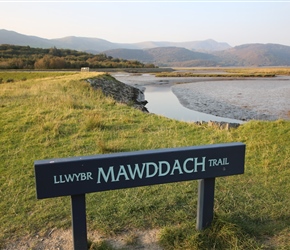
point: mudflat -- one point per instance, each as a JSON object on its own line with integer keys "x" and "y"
{"x": 247, "y": 99}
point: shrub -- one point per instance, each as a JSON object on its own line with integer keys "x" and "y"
{"x": 10, "y": 80}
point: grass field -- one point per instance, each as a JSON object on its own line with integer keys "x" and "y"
{"x": 241, "y": 72}
{"x": 62, "y": 116}
{"x": 15, "y": 76}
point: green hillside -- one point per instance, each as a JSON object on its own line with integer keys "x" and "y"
{"x": 61, "y": 115}
{"x": 25, "y": 57}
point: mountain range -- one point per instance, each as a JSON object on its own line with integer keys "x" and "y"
{"x": 184, "y": 54}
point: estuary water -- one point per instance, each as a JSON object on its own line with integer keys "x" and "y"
{"x": 162, "y": 101}
{"x": 195, "y": 99}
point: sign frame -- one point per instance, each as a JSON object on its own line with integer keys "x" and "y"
{"x": 77, "y": 176}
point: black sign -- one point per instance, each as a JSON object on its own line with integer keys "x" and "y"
{"x": 81, "y": 175}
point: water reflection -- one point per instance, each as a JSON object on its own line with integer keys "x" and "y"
{"x": 162, "y": 101}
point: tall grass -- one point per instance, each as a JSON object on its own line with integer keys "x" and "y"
{"x": 263, "y": 70}
{"x": 226, "y": 72}
{"x": 230, "y": 75}
{"x": 63, "y": 116}
{"x": 12, "y": 76}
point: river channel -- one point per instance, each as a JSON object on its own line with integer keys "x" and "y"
{"x": 213, "y": 99}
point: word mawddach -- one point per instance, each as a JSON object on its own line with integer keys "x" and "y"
{"x": 80, "y": 175}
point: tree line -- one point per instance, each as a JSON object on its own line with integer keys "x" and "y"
{"x": 25, "y": 57}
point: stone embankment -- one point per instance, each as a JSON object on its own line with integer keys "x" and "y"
{"x": 119, "y": 91}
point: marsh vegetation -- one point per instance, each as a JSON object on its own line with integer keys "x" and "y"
{"x": 226, "y": 72}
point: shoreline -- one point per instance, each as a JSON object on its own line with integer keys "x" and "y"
{"x": 240, "y": 99}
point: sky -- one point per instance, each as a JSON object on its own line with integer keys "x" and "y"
{"x": 233, "y": 22}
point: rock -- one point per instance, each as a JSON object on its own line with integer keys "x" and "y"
{"x": 223, "y": 125}
{"x": 200, "y": 122}
{"x": 121, "y": 92}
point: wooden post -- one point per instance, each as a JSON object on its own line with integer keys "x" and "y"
{"x": 205, "y": 203}
{"x": 79, "y": 224}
